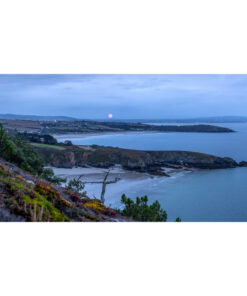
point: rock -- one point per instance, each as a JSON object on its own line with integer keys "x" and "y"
{"x": 242, "y": 164}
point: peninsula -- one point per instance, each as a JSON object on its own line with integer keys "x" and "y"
{"x": 87, "y": 126}
{"x": 151, "y": 162}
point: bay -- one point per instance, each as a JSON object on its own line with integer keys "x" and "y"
{"x": 203, "y": 195}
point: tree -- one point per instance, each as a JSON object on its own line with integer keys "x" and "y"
{"x": 27, "y": 158}
{"x": 104, "y": 183}
{"x": 139, "y": 210}
{"x": 21, "y": 153}
{"x": 7, "y": 148}
{"x": 76, "y": 185}
{"x": 178, "y": 219}
{"x": 49, "y": 175}
{"x": 68, "y": 143}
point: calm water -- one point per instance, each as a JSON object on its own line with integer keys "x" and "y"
{"x": 209, "y": 195}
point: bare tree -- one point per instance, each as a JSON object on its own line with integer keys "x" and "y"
{"x": 104, "y": 183}
{"x": 102, "y": 197}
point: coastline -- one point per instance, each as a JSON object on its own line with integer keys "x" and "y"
{"x": 94, "y": 173}
{"x": 87, "y": 135}
{"x": 127, "y": 180}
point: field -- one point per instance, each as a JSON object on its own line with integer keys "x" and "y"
{"x": 48, "y": 146}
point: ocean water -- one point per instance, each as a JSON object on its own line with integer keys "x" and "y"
{"x": 203, "y": 195}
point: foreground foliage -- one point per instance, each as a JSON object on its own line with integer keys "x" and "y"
{"x": 20, "y": 152}
{"x": 24, "y": 197}
{"x": 24, "y": 156}
{"x": 139, "y": 210}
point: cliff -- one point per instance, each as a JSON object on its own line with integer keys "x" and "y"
{"x": 142, "y": 161}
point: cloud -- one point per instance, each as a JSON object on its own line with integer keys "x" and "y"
{"x": 126, "y": 96}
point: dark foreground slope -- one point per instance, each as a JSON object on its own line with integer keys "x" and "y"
{"x": 143, "y": 161}
{"x": 24, "y": 197}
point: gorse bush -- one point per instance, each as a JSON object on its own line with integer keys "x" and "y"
{"x": 139, "y": 210}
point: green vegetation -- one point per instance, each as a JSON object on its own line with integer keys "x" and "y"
{"x": 25, "y": 157}
{"x": 33, "y": 203}
{"x": 20, "y": 153}
{"x": 48, "y": 175}
{"x": 47, "y": 146}
{"x": 141, "y": 211}
{"x": 76, "y": 186}
{"x": 37, "y": 138}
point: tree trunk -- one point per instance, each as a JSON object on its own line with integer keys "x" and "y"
{"x": 102, "y": 197}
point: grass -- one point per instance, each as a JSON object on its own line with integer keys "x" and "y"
{"x": 47, "y": 146}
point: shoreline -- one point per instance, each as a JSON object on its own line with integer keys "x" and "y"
{"x": 91, "y": 174}
{"x": 87, "y": 135}
{"x": 127, "y": 180}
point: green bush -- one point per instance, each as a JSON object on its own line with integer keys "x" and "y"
{"x": 22, "y": 154}
{"x": 37, "y": 138}
{"x": 27, "y": 158}
{"x": 7, "y": 147}
{"x": 48, "y": 175}
{"x": 75, "y": 185}
{"x": 139, "y": 210}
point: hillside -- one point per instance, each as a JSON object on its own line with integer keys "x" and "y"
{"x": 25, "y": 197}
{"x": 31, "y": 192}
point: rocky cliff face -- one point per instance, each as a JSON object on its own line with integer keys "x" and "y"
{"x": 143, "y": 161}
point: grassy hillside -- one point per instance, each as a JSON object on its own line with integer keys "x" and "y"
{"x": 24, "y": 197}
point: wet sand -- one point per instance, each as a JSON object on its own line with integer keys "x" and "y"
{"x": 128, "y": 180}
{"x": 97, "y": 174}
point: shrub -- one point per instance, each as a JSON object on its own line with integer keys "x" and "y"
{"x": 139, "y": 210}
{"x": 27, "y": 158}
{"x": 48, "y": 175}
{"x": 24, "y": 156}
{"x": 75, "y": 186}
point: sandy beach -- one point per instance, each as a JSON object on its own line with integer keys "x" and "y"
{"x": 86, "y": 135}
{"x": 127, "y": 180}
{"x": 92, "y": 174}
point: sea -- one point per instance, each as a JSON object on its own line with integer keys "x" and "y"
{"x": 198, "y": 196}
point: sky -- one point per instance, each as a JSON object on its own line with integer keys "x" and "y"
{"x": 124, "y": 96}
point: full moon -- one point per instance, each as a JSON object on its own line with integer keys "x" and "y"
{"x": 110, "y": 115}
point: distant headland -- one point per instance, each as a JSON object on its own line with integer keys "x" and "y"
{"x": 90, "y": 126}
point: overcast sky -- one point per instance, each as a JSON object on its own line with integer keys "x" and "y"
{"x": 124, "y": 96}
